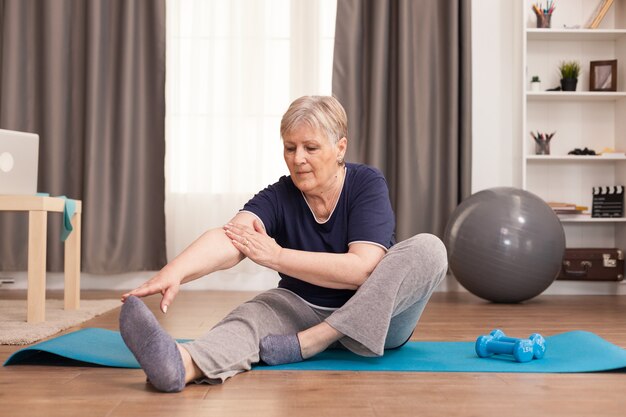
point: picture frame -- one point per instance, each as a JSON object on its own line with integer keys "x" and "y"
{"x": 603, "y": 75}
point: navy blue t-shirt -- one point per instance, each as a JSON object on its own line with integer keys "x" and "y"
{"x": 362, "y": 214}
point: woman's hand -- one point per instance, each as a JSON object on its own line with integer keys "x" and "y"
{"x": 254, "y": 243}
{"x": 168, "y": 286}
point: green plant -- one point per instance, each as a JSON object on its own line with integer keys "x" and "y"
{"x": 535, "y": 79}
{"x": 569, "y": 69}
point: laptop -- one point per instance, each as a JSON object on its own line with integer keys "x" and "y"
{"x": 19, "y": 159}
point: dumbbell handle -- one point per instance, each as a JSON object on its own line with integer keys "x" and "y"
{"x": 500, "y": 346}
{"x": 539, "y": 347}
{"x": 522, "y": 350}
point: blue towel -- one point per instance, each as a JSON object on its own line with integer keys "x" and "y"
{"x": 576, "y": 351}
{"x": 68, "y": 211}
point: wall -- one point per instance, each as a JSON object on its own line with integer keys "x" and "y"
{"x": 496, "y": 76}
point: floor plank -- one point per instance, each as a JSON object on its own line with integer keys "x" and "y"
{"x": 79, "y": 391}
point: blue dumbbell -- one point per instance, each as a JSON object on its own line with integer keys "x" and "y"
{"x": 539, "y": 343}
{"x": 522, "y": 350}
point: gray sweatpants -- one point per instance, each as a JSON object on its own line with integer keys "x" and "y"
{"x": 382, "y": 314}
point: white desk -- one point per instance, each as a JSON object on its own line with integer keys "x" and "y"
{"x": 38, "y": 208}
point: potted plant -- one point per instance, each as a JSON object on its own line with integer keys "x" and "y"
{"x": 535, "y": 83}
{"x": 569, "y": 70}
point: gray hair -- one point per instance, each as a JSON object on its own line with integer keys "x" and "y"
{"x": 323, "y": 113}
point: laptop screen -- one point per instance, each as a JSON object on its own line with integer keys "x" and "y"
{"x": 19, "y": 153}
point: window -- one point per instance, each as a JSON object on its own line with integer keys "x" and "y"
{"x": 233, "y": 68}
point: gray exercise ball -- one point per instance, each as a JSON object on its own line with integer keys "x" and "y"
{"x": 504, "y": 244}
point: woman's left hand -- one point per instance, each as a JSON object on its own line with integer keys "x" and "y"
{"x": 254, "y": 243}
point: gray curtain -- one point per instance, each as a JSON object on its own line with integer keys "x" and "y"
{"x": 89, "y": 77}
{"x": 402, "y": 71}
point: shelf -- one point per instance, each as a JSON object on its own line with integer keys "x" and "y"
{"x": 575, "y": 96}
{"x": 582, "y": 118}
{"x": 577, "y": 158}
{"x": 588, "y": 219}
{"x": 575, "y": 35}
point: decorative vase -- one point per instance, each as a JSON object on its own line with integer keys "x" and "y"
{"x": 569, "y": 84}
{"x": 535, "y": 86}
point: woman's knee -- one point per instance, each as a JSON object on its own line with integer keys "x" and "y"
{"x": 426, "y": 249}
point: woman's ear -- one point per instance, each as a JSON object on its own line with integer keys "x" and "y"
{"x": 342, "y": 146}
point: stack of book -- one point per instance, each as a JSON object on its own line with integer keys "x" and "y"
{"x": 568, "y": 209}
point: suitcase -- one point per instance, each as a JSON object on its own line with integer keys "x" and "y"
{"x": 592, "y": 264}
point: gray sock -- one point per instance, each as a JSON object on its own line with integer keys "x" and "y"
{"x": 154, "y": 349}
{"x": 280, "y": 349}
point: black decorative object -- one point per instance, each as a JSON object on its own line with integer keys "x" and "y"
{"x": 608, "y": 201}
{"x": 579, "y": 151}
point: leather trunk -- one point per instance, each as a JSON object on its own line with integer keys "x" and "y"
{"x": 592, "y": 264}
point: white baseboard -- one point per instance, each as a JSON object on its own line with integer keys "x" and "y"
{"x": 557, "y": 288}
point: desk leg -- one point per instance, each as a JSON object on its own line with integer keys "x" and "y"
{"x": 37, "y": 234}
{"x": 72, "y": 266}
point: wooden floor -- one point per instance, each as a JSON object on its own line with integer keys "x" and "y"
{"x": 85, "y": 391}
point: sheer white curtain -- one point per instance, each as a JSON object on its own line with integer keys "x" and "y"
{"x": 233, "y": 67}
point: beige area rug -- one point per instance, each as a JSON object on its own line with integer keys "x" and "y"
{"x": 14, "y": 330}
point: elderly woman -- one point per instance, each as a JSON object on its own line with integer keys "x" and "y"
{"x": 328, "y": 230}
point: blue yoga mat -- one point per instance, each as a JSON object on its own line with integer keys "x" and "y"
{"x": 576, "y": 351}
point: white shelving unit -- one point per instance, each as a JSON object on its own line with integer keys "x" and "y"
{"x": 595, "y": 120}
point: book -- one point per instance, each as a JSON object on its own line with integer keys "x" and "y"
{"x": 568, "y": 208}
{"x": 559, "y": 212}
{"x": 599, "y": 13}
{"x": 612, "y": 154}
{"x": 574, "y": 216}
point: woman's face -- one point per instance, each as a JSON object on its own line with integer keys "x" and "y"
{"x": 311, "y": 158}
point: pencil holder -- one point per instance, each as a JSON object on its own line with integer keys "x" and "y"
{"x": 542, "y": 148}
{"x": 542, "y": 142}
{"x": 544, "y": 21}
